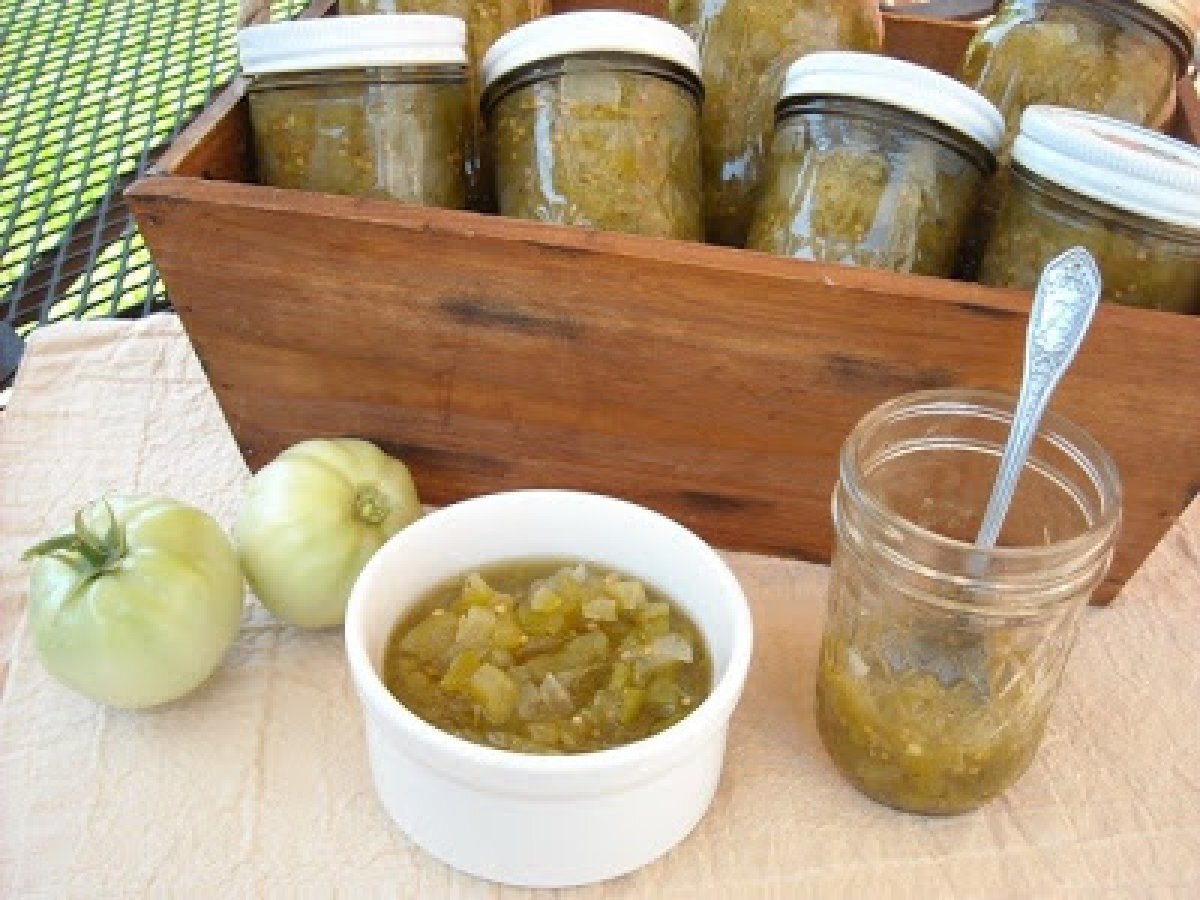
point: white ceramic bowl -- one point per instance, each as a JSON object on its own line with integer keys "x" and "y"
{"x": 546, "y": 821}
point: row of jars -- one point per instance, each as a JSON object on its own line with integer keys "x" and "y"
{"x": 596, "y": 119}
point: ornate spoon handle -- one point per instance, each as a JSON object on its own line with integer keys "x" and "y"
{"x": 1063, "y": 306}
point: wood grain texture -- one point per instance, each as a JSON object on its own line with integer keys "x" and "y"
{"x": 716, "y": 385}
{"x": 938, "y": 45}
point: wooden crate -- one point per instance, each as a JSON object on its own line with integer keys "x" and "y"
{"x": 713, "y": 384}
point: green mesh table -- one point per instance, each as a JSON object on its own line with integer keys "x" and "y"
{"x": 92, "y": 91}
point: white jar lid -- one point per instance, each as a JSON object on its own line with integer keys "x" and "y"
{"x": 348, "y": 42}
{"x": 904, "y": 85}
{"x": 1122, "y": 165}
{"x": 1183, "y": 14}
{"x": 589, "y": 32}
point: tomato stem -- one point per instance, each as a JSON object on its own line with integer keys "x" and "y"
{"x": 87, "y": 550}
{"x": 372, "y": 505}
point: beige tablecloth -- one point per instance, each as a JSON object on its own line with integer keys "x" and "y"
{"x": 258, "y": 784}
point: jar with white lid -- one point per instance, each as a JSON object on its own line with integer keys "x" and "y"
{"x": 1129, "y": 195}
{"x": 366, "y": 106}
{"x": 1119, "y": 58}
{"x": 594, "y": 120}
{"x": 486, "y": 21}
{"x": 875, "y": 162}
{"x": 745, "y": 48}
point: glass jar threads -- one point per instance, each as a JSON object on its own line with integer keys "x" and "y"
{"x": 745, "y": 46}
{"x": 1129, "y": 195}
{"x": 875, "y": 162}
{"x": 940, "y": 663}
{"x": 1120, "y": 58}
{"x": 594, "y": 120}
{"x": 366, "y": 106}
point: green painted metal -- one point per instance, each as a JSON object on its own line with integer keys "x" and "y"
{"x": 90, "y": 92}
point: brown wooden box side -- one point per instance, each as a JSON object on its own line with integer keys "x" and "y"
{"x": 715, "y": 385}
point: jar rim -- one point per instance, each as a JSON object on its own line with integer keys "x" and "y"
{"x": 1183, "y": 15}
{"x": 1080, "y": 446}
{"x": 898, "y": 84}
{"x": 873, "y": 110}
{"x": 589, "y": 32}
{"x": 610, "y": 60}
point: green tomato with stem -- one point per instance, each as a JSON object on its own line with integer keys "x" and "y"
{"x": 137, "y": 605}
{"x": 311, "y": 520}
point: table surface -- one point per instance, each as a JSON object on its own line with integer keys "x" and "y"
{"x": 258, "y": 783}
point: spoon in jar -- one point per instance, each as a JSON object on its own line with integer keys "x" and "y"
{"x": 1064, "y": 303}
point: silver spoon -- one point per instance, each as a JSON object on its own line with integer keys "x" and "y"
{"x": 1063, "y": 306}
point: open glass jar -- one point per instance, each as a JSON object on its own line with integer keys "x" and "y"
{"x": 371, "y": 107}
{"x": 940, "y": 663}
{"x": 1129, "y": 195}
{"x": 594, "y": 120}
{"x": 875, "y": 162}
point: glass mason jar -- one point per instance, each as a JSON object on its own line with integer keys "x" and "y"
{"x": 940, "y": 663}
{"x": 745, "y": 46}
{"x": 1129, "y": 195}
{"x": 875, "y": 162}
{"x": 1120, "y": 58}
{"x": 369, "y": 109}
{"x": 594, "y": 120}
{"x": 486, "y": 21}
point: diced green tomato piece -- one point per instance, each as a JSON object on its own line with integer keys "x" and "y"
{"x": 507, "y": 633}
{"x": 655, "y": 610}
{"x": 653, "y": 628}
{"x": 475, "y": 592}
{"x": 571, "y": 585}
{"x": 476, "y": 627}
{"x": 462, "y": 667}
{"x": 495, "y": 692}
{"x": 632, "y": 700}
{"x": 674, "y": 647}
{"x": 543, "y": 732}
{"x": 537, "y": 622}
{"x": 630, "y": 595}
{"x": 621, "y": 673}
{"x": 529, "y": 701}
{"x": 600, "y": 608}
{"x": 555, "y": 698}
{"x": 500, "y": 657}
{"x": 663, "y": 693}
{"x": 432, "y": 637}
{"x": 584, "y": 650}
{"x": 646, "y": 667}
{"x": 540, "y": 666}
{"x": 545, "y": 599}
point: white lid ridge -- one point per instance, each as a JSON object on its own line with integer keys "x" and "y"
{"x": 904, "y": 85}
{"x": 1116, "y": 163}
{"x": 1183, "y": 14}
{"x": 348, "y": 42}
{"x": 591, "y": 31}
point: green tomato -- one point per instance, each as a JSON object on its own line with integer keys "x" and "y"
{"x": 138, "y": 604}
{"x": 311, "y": 520}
